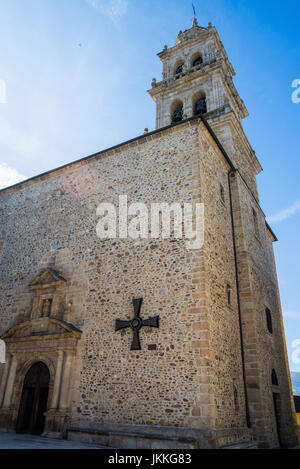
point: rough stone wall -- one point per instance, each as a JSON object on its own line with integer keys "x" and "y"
{"x": 263, "y": 351}
{"x": 53, "y": 220}
{"x": 37, "y": 234}
{"x": 259, "y": 290}
{"x": 235, "y": 142}
{"x": 189, "y": 379}
{"x": 225, "y": 363}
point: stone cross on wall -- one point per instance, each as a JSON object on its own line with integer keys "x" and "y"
{"x": 137, "y": 323}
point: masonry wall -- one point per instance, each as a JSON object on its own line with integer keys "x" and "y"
{"x": 230, "y": 133}
{"x": 258, "y": 291}
{"x": 194, "y": 377}
{"x": 225, "y": 364}
{"x": 52, "y": 221}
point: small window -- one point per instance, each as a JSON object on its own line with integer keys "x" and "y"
{"x": 200, "y": 107}
{"x": 198, "y": 61}
{"x": 228, "y": 294}
{"x": 269, "y": 320}
{"x": 274, "y": 378}
{"x": 177, "y": 115}
{"x": 222, "y": 193}
{"x": 179, "y": 69}
{"x": 255, "y": 222}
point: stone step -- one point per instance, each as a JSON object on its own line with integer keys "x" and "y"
{"x": 244, "y": 445}
{"x": 123, "y": 439}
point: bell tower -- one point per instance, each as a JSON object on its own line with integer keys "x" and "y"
{"x": 197, "y": 79}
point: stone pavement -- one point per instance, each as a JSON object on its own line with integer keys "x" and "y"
{"x": 14, "y": 441}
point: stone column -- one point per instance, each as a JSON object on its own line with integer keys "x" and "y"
{"x": 35, "y": 308}
{"x": 188, "y": 106}
{"x": 214, "y": 99}
{"x": 64, "y": 394}
{"x": 57, "y": 380}
{"x": 4, "y": 379}
{"x": 10, "y": 383}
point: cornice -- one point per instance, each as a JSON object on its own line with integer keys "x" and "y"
{"x": 240, "y": 134}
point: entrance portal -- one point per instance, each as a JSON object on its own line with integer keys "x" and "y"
{"x": 34, "y": 400}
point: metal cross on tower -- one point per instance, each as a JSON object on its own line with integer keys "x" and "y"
{"x": 194, "y": 10}
{"x": 195, "y": 22}
{"x": 137, "y": 323}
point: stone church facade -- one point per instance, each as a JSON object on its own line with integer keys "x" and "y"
{"x": 213, "y": 372}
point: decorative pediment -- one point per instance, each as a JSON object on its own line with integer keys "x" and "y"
{"x": 49, "y": 278}
{"x": 191, "y": 33}
{"x": 41, "y": 327}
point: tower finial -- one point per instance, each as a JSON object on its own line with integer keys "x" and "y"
{"x": 195, "y": 22}
{"x": 52, "y": 261}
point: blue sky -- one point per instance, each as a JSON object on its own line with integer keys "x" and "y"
{"x": 73, "y": 80}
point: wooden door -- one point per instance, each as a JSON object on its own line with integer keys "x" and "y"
{"x": 34, "y": 400}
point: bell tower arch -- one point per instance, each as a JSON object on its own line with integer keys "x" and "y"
{"x": 197, "y": 65}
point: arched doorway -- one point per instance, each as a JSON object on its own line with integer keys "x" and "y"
{"x": 34, "y": 400}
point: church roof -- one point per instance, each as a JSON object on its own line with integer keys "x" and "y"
{"x": 98, "y": 154}
{"x": 115, "y": 147}
{"x": 271, "y": 232}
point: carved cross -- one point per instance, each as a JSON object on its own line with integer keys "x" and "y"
{"x": 137, "y": 323}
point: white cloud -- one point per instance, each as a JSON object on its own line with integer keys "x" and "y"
{"x": 284, "y": 214}
{"x": 113, "y": 9}
{"x": 9, "y": 176}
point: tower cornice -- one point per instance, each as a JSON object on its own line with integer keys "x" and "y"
{"x": 230, "y": 120}
{"x": 206, "y": 69}
{"x": 167, "y": 52}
